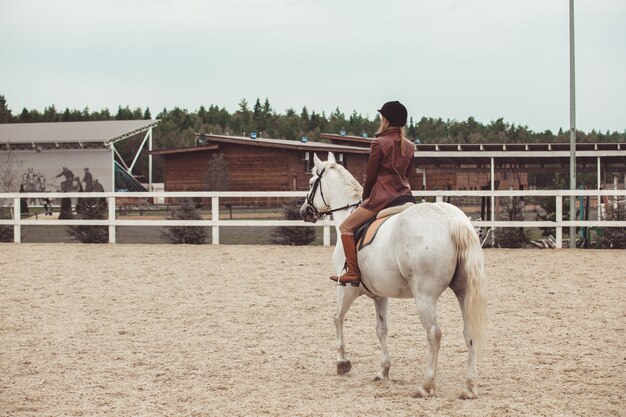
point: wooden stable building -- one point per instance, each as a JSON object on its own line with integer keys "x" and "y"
{"x": 511, "y": 165}
{"x": 256, "y": 164}
{"x": 284, "y": 165}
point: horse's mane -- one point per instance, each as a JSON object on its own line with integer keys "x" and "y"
{"x": 354, "y": 188}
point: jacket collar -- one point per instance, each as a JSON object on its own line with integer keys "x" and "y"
{"x": 389, "y": 131}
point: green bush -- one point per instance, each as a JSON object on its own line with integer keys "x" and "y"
{"x": 6, "y": 232}
{"x": 185, "y": 234}
{"x": 94, "y": 209}
{"x": 614, "y": 237}
{"x": 512, "y": 237}
{"x": 293, "y": 235}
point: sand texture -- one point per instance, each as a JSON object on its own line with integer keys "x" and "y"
{"x": 167, "y": 330}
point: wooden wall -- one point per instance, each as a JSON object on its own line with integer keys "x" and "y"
{"x": 257, "y": 168}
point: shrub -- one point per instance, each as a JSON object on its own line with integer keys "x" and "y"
{"x": 293, "y": 235}
{"x": 512, "y": 237}
{"x": 96, "y": 209}
{"x": 6, "y": 233}
{"x": 66, "y": 209}
{"x": 185, "y": 234}
{"x": 614, "y": 237}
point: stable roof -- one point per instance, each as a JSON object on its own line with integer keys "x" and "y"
{"x": 105, "y": 131}
{"x": 519, "y": 153}
{"x": 273, "y": 143}
{"x": 348, "y": 139}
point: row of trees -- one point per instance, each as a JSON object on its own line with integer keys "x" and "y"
{"x": 178, "y": 126}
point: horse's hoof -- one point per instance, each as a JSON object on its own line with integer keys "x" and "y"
{"x": 468, "y": 395}
{"x": 343, "y": 367}
{"x": 383, "y": 375}
{"x": 423, "y": 393}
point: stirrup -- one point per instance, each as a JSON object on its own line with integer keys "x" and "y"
{"x": 343, "y": 284}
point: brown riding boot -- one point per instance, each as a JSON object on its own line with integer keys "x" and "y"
{"x": 349, "y": 248}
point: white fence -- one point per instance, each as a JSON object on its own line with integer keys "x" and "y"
{"x": 13, "y": 200}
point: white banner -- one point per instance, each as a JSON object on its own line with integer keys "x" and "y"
{"x": 56, "y": 170}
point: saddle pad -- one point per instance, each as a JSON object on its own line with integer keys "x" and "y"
{"x": 366, "y": 233}
{"x": 370, "y": 233}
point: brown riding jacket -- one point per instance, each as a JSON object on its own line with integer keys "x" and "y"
{"x": 387, "y": 173}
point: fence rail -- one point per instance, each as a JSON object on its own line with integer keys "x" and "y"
{"x": 216, "y": 223}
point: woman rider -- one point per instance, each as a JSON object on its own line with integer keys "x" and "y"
{"x": 386, "y": 178}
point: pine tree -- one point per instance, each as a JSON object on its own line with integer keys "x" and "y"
{"x": 216, "y": 177}
{"x": 614, "y": 237}
{"x": 66, "y": 209}
{"x": 5, "y": 112}
{"x": 91, "y": 234}
{"x": 293, "y": 235}
{"x": 185, "y": 234}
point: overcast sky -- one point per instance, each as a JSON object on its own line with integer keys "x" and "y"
{"x": 441, "y": 58}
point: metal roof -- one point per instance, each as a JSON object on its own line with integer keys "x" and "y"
{"x": 519, "y": 153}
{"x": 282, "y": 143}
{"x": 105, "y": 131}
{"x": 351, "y": 139}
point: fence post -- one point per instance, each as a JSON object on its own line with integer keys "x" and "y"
{"x": 439, "y": 199}
{"x": 326, "y": 235}
{"x": 112, "y": 237}
{"x": 215, "y": 216}
{"x": 17, "y": 216}
{"x": 559, "y": 219}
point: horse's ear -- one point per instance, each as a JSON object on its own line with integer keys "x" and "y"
{"x": 318, "y": 163}
{"x": 331, "y": 158}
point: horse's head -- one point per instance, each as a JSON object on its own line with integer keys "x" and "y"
{"x": 315, "y": 203}
{"x": 329, "y": 185}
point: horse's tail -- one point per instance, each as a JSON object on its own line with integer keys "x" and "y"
{"x": 470, "y": 258}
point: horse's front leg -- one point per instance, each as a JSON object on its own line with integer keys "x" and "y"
{"x": 347, "y": 295}
{"x": 382, "y": 331}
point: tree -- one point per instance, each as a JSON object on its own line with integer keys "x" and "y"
{"x": 512, "y": 237}
{"x": 5, "y": 112}
{"x": 293, "y": 235}
{"x": 9, "y": 180}
{"x": 614, "y": 237}
{"x": 23, "y": 201}
{"x": 185, "y": 234}
{"x": 91, "y": 209}
{"x": 257, "y": 116}
{"x": 66, "y": 209}
{"x": 216, "y": 177}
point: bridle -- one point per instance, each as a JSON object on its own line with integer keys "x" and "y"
{"x": 310, "y": 207}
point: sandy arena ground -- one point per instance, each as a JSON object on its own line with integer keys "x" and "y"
{"x": 165, "y": 330}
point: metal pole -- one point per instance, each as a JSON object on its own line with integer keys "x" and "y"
{"x": 492, "y": 200}
{"x": 599, "y": 188}
{"x": 150, "y": 160}
{"x": 572, "y": 122}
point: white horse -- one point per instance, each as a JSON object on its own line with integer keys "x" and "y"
{"x": 416, "y": 254}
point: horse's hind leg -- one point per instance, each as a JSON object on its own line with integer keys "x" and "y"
{"x": 426, "y": 307}
{"x": 381, "y": 304}
{"x": 347, "y": 295}
{"x": 471, "y": 389}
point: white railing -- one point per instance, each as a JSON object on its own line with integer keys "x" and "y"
{"x": 215, "y": 223}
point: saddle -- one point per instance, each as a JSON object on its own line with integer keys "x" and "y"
{"x": 365, "y": 234}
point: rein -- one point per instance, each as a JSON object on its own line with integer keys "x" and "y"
{"x": 309, "y": 199}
